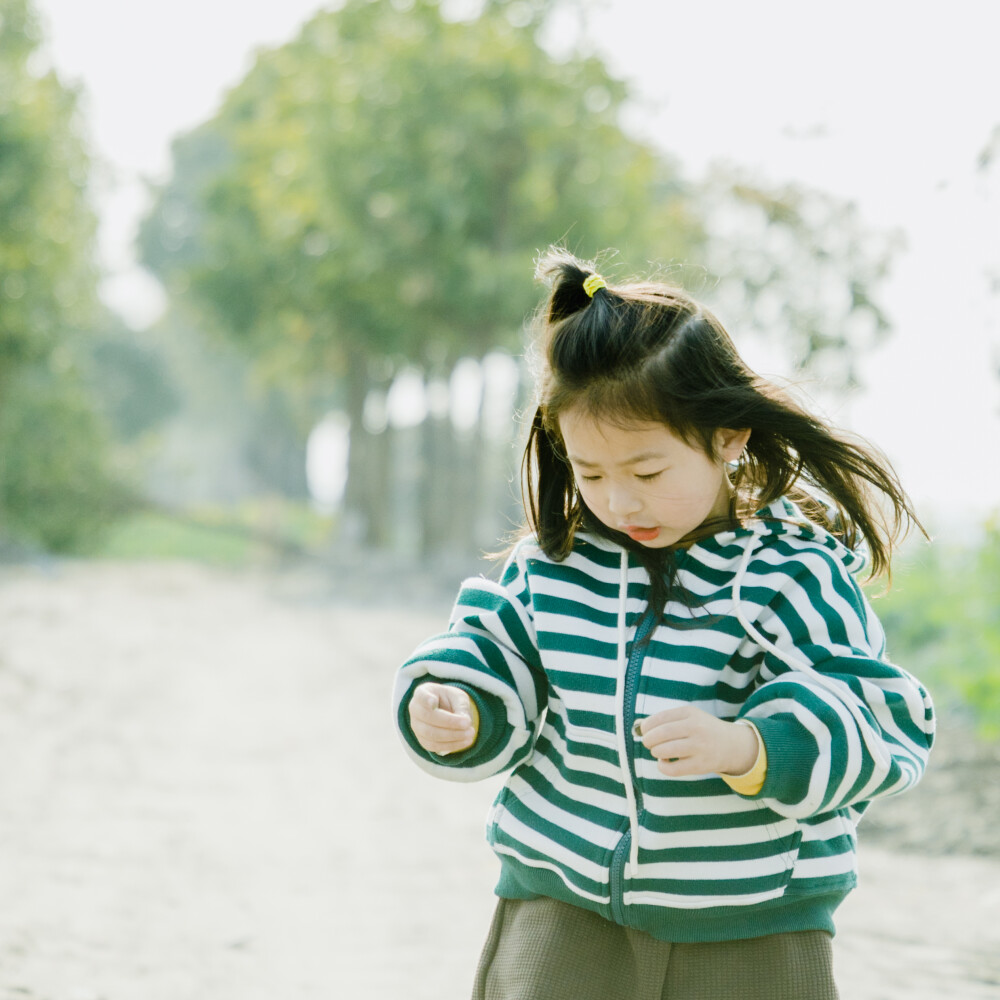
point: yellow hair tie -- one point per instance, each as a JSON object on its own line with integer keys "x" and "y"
{"x": 594, "y": 282}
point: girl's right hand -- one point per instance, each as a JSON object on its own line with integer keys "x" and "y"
{"x": 443, "y": 718}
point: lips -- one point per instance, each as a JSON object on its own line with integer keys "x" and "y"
{"x": 638, "y": 534}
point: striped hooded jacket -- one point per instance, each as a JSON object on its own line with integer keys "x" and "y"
{"x": 779, "y": 633}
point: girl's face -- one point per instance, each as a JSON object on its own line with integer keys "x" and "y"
{"x": 645, "y": 481}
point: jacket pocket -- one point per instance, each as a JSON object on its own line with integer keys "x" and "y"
{"x": 591, "y": 736}
{"x": 712, "y": 850}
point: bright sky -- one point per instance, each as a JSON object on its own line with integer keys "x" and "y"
{"x": 888, "y": 104}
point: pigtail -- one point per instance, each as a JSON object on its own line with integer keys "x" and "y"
{"x": 548, "y": 491}
{"x": 565, "y": 275}
{"x": 585, "y": 325}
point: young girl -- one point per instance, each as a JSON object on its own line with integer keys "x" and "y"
{"x": 689, "y": 688}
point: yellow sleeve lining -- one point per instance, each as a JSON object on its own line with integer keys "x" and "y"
{"x": 752, "y": 781}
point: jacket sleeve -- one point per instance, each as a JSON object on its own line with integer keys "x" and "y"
{"x": 840, "y": 723}
{"x": 490, "y": 651}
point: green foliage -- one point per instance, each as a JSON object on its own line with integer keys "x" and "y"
{"x": 942, "y": 620}
{"x": 377, "y": 189}
{"x": 47, "y": 280}
{"x": 371, "y": 196}
{"x": 56, "y": 486}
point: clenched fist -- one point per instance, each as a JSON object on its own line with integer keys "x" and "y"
{"x": 443, "y": 718}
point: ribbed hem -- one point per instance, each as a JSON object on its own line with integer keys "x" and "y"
{"x": 791, "y": 912}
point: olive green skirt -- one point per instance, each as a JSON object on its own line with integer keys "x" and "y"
{"x": 541, "y": 949}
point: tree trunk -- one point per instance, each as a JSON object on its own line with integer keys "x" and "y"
{"x": 366, "y": 493}
{"x": 437, "y": 488}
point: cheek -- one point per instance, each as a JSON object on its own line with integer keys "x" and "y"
{"x": 707, "y": 492}
{"x": 590, "y": 494}
{"x": 692, "y": 493}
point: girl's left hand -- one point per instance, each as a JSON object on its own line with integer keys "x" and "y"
{"x": 688, "y": 741}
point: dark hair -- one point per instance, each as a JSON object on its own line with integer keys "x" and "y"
{"x": 649, "y": 352}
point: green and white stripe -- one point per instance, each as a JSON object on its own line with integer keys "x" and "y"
{"x": 782, "y": 635}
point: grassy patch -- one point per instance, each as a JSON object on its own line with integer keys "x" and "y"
{"x": 229, "y": 536}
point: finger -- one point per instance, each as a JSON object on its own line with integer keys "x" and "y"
{"x": 424, "y": 702}
{"x": 444, "y": 743}
{"x": 683, "y": 768}
{"x": 452, "y": 699}
{"x": 454, "y": 728}
{"x": 449, "y": 720}
{"x": 435, "y": 716}
{"x": 673, "y": 750}
{"x": 665, "y": 717}
{"x": 451, "y": 738}
{"x": 666, "y": 733}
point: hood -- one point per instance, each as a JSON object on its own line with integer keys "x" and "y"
{"x": 782, "y": 518}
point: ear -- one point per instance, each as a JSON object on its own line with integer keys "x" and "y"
{"x": 729, "y": 444}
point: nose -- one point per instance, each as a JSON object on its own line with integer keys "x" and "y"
{"x": 622, "y": 501}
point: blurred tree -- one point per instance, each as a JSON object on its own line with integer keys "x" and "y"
{"x": 371, "y": 194}
{"x": 45, "y": 261}
{"x": 56, "y": 488}
{"x": 798, "y": 268}
{"x": 130, "y": 378}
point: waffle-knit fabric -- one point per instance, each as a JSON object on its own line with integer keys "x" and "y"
{"x": 543, "y": 949}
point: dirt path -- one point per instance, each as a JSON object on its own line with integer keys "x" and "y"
{"x": 200, "y": 797}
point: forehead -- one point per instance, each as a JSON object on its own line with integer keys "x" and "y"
{"x": 592, "y": 441}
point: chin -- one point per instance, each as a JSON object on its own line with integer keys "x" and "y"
{"x": 660, "y": 543}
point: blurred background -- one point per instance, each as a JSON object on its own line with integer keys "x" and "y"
{"x": 264, "y": 280}
{"x": 265, "y": 273}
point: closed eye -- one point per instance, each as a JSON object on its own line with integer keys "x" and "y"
{"x": 590, "y": 479}
{"x": 650, "y": 476}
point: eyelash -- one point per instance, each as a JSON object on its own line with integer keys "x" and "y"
{"x": 645, "y": 479}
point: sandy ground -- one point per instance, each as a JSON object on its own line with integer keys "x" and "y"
{"x": 201, "y": 797}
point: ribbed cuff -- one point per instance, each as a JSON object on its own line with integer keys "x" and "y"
{"x": 792, "y": 751}
{"x": 491, "y": 736}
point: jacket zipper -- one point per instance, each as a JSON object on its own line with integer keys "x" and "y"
{"x": 618, "y": 878}
{"x": 632, "y": 675}
{"x": 624, "y": 861}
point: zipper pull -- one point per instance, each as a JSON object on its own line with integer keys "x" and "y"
{"x": 637, "y": 730}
